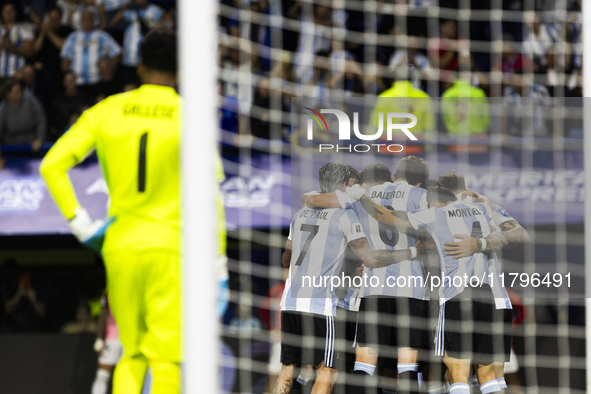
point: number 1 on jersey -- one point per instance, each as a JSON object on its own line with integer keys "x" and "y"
{"x": 141, "y": 176}
{"x": 313, "y": 229}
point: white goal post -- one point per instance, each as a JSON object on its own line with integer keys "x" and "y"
{"x": 197, "y": 50}
{"x": 587, "y": 151}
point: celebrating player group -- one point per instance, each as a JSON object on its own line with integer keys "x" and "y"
{"x": 391, "y": 232}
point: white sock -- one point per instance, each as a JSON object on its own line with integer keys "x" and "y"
{"x": 407, "y": 367}
{"x": 367, "y": 368}
{"x": 303, "y": 380}
{"x": 101, "y": 382}
{"x": 502, "y": 383}
{"x": 490, "y": 387}
{"x": 304, "y": 376}
{"x": 459, "y": 388}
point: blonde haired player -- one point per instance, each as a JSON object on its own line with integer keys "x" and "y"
{"x": 136, "y": 137}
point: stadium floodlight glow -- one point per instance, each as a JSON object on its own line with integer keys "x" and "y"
{"x": 198, "y": 75}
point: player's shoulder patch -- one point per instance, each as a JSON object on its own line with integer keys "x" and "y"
{"x": 501, "y": 211}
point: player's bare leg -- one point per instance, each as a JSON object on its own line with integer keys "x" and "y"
{"x": 325, "y": 378}
{"x": 408, "y": 381}
{"x": 499, "y": 369}
{"x": 366, "y": 355}
{"x": 458, "y": 372}
{"x": 306, "y": 372}
{"x": 271, "y": 381}
{"x": 284, "y": 382}
{"x": 486, "y": 375}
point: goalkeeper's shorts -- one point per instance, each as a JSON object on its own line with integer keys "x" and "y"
{"x": 144, "y": 295}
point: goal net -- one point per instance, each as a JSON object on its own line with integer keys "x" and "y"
{"x": 492, "y": 89}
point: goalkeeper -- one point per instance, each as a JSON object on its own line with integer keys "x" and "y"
{"x": 136, "y": 137}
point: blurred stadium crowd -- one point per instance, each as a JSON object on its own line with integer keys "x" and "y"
{"x": 271, "y": 51}
{"x": 59, "y": 57}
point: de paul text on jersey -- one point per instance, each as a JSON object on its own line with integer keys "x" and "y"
{"x": 314, "y": 214}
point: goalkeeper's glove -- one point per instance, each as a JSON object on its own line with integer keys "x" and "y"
{"x": 90, "y": 233}
{"x": 223, "y": 284}
{"x": 355, "y": 192}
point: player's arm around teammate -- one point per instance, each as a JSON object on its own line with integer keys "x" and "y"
{"x": 286, "y": 256}
{"x": 371, "y": 259}
{"x": 511, "y": 235}
{"x": 383, "y": 258}
{"x": 380, "y": 213}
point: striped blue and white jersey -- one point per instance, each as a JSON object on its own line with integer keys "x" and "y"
{"x": 421, "y": 66}
{"x": 460, "y": 218}
{"x": 72, "y": 13}
{"x": 133, "y": 36}
{"x": 399, "y": 196}
{"x": 11, "y": 62}
{"x": 535, "y": 104}
{"x": 536, "y": 47}
{"x": 319, "y": 238}
{"x": 499, "y": 216}
{"x": 349, "y": 296}
{"x": 112, "y": 5}
{"x": 84, "y": 51}
{"x": 351, "y": 300}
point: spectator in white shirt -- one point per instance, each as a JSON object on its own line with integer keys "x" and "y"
{"x": 16, "y": 44}
{"x": 411, "y": 58}
{"x": 139, "y": 17}
{"x": 527, "y": 108}
{"x": 539, "y": 40}
{"x": 83, "y": 49}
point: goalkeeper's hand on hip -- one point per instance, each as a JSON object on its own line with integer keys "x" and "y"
{"x": 90, "y": 233}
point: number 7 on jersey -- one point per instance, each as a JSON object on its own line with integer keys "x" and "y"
{"x": 313, "y": 229}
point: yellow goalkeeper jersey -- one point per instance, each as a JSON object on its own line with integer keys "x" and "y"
{"x": 136, "y": 137}
{"x": 465, "y": 109}
{"x": 404, "y": 97}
